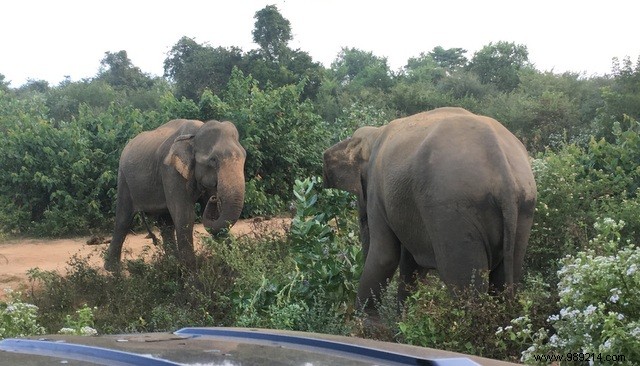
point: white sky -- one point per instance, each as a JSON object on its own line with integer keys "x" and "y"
{"x": 45, "y": 39}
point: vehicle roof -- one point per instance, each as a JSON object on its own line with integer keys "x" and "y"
{"x": 224, "y": 346}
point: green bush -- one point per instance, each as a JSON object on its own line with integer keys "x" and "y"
{"x": 463, "y": 323}
{"x": 18, "y": 319}
{"x": 324, "y": 238}
{"x": 258, "y": 203}
{"x": 576, "y": 186}
{"x": 155, "y": 294}
{"x": 80, "y": 324}
{"x": 324, "y": 262}
{"x": 304, "y": 281}
{"x": 599, "y": 291}
{"x": 59, "y": 178}
{"x": 282, "y": 134}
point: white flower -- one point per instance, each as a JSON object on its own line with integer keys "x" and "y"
{"x": 614, "y": 298}
{"x": 553, "y": 318}
{"x": 590, "y": 310}
{"x": 632, "y": 269}
{"x": 66, "y": 331}
{"x": 568, "y": 313}
{"x": 607, "y": 345}
{"x": 88, "y": 331}
{"x": 635, "y": 332}
{"x": 527, "y": 352}
{"x": 518, "y": 320}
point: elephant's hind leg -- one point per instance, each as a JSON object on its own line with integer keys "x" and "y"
{"x": 460, "y": 251}
{"x": 124, "y": 222}
{"x": 410, "y": 272}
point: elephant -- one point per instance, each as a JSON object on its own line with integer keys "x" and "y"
{"x": 445, "y": 191}
{"x": 163, "y": 172}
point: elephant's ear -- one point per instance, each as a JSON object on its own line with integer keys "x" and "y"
{"x": 181, "y": 156}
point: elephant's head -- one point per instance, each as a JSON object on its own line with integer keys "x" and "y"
{"x": 212, "y": 160}
{"x": 345, "y": 162}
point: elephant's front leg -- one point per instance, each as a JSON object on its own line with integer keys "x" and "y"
{"x": 380, "y": 264}
{"x": 186, "y": 253}
{"x": 183, "y": 216}
{"x": 168, "y": 234}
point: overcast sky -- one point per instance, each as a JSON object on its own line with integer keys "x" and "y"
{"x": 45, "y": 39}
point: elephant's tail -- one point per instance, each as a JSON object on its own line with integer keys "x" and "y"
{"x": 509, "y": 231}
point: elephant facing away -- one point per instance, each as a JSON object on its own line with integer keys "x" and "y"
{"x": 164, "y": 172}
{"x": 443, "y": 190}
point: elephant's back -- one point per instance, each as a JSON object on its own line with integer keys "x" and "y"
{"x": 147, "y": 143}
{"x": 452, "y": 153}
{"x": 142, "y": 156}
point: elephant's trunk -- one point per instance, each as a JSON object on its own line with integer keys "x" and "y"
{"x": 224, "y": 208}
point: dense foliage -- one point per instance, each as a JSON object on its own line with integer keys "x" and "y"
{"x": 59, "y": 158}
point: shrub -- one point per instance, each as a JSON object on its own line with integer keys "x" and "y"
{"x": 258, "y": 203}
{"x": 155, "y": 294}
{"x": 18, "y": 319}
{"x": 464, "y": 323}
{"x": 80, "y": 324}
{"x": 324, "y": 262}
{"x": 599, "y": 301}
{"x": 59, "y": 178}
{"x": 326, "y": 246}
{"x": 576, "y": 185}
{"x": 282, "y": 134}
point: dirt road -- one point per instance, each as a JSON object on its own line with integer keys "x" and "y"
{"x": 17, "y": 256}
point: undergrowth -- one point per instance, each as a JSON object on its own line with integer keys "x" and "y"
{"x": 304, "y": 277}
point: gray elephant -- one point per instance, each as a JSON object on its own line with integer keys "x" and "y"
{"x": 444, "y": 190}
{"x": 164, "y": 172}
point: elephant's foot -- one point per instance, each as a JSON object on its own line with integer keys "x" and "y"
{"x": 112, "y": 265}
{"x": 375, "y": 326}
{"x": 188, "y": 258}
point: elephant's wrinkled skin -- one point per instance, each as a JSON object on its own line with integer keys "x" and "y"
{"x": 164, "y": 172}
{"x": 443, "y": 190}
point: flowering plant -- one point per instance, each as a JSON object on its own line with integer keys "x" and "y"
{"x": 599, "y": 291}
{"x": 81, "y": 324}
{"x": 18, "y": 319}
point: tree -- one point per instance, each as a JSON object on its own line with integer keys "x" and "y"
{"x": 355, "y": 77}
{"x": 4, "y": 85}
{"x": 274, "y": 64}
{"x": 120, "y": 73}
{"x": 499, "y": 64}
{"x": 362, "y": 68}
{"x": 621, "y": 97}
{"x": 272, "y": 32}
{"x": 423, "y": 68}
{"x": 449, "y": 59}
{"x": 64, "y": 102}
{"x": 194, "y": 67}
{"x": 35, "y": 86}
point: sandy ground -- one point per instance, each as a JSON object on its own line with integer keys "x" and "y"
{"x": 17, "y": 256}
